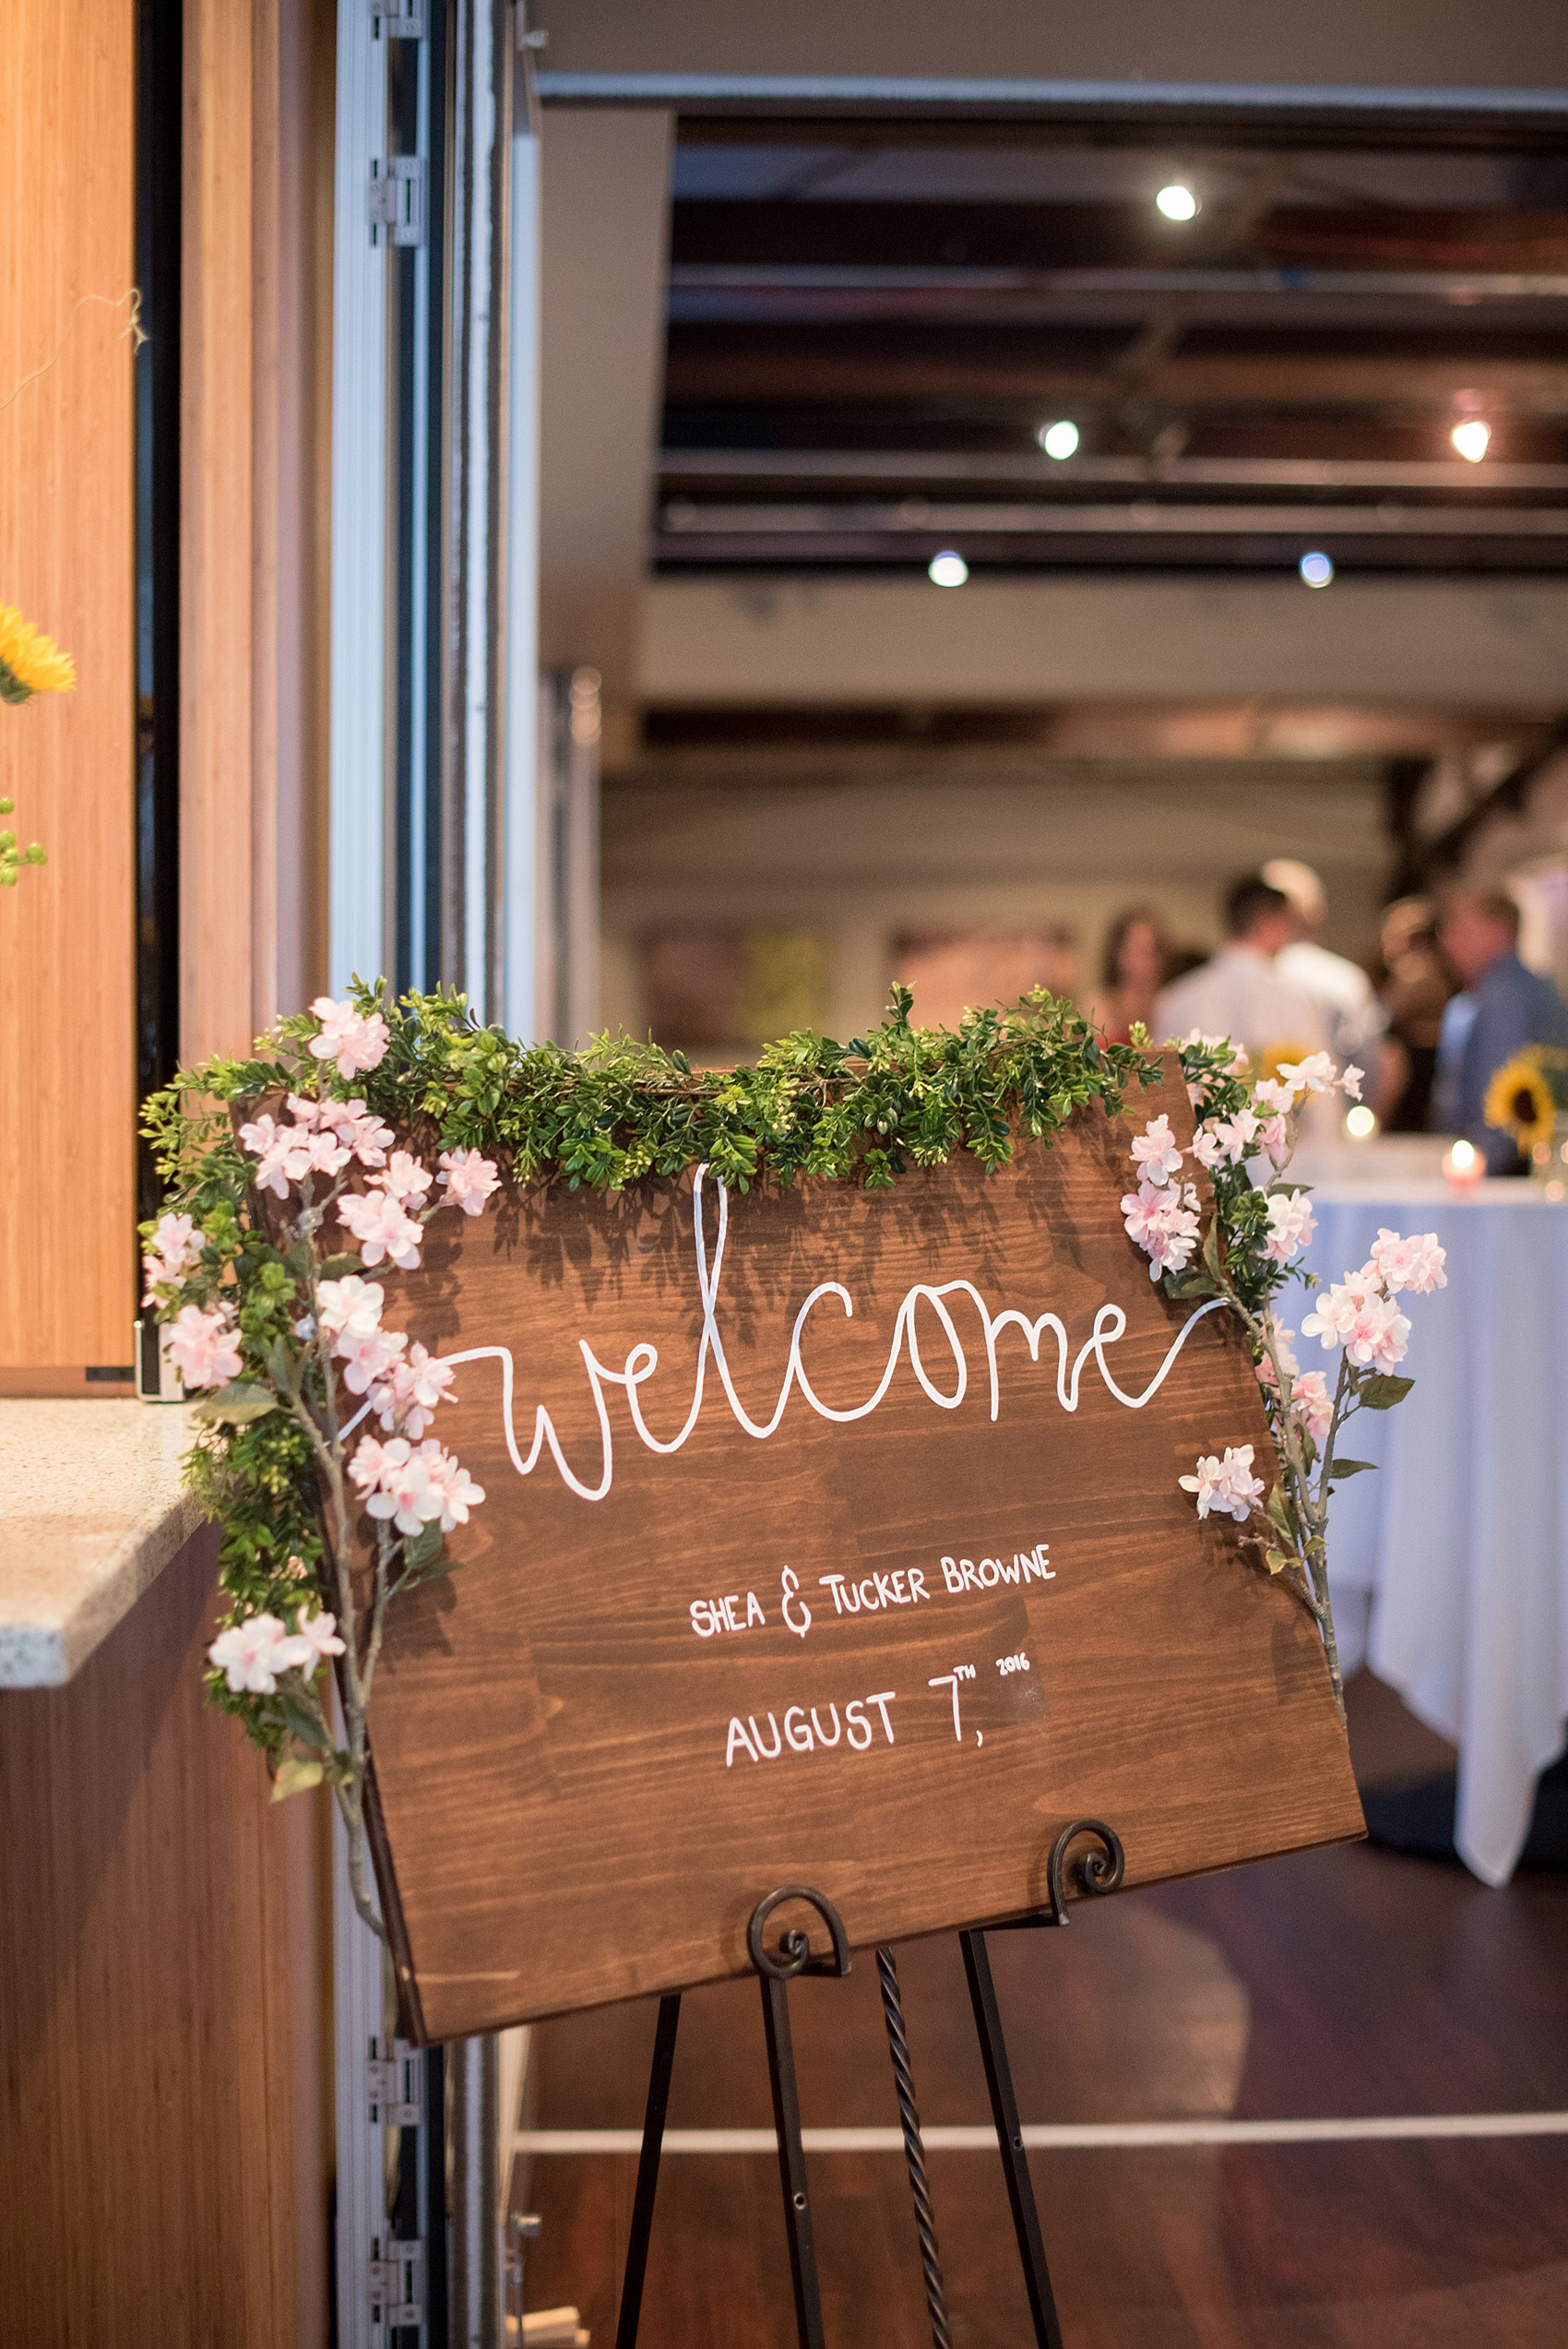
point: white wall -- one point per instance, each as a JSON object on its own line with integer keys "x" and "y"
{"x": 998, "y": 841}
{"x": 1451, "y": 643}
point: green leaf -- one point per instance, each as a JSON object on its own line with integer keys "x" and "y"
{"x": 1211, "y": 1245}
{"x": 1342, "y": 1468}
{"x": 1278, "y": 1561}
{"x": 237, "y": 1405}
{"x": 1277, "y": 1510}
{"x": 333, "y": 1267}
{"x": 295, "y": 1775}
{"x": 1182, "y": 1285}
{"x": 304, "y": 1725}
{"x": 420, "y": 1550}
{"x": 1380, "y": 1392}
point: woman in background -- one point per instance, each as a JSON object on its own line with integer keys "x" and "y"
{"x": 1136, "y": 966}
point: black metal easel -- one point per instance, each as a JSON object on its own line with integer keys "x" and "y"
{"x": 1097, "y": 1871}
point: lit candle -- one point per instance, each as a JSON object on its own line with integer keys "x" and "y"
{"x": 1464, "y": 1166}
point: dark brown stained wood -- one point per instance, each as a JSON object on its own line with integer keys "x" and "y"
{"x": 570, "y": 1811}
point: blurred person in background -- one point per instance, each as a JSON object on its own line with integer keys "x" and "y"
{"x": 1355, "y": 1019}
{"x": 1238, "y": 992}
{"x": 1505, "y": 1006}
{"x": 1417, "y": 985}
{"x": 1134, "y": 967}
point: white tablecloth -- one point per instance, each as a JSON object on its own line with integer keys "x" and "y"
{"x": 1449, "y": 1568}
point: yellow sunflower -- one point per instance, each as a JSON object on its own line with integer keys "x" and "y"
{"x": 30, "y": 662}
{"x": 1519, "y": 1100}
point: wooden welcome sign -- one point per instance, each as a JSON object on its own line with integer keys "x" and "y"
{"x": 832, "y": 1537}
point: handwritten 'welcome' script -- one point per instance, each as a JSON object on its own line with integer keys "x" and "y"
{"x": 642, "y": 1361}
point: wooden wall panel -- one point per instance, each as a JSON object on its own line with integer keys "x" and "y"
{"x": 67, "y": 85}
{"x": 159, "y": 1927}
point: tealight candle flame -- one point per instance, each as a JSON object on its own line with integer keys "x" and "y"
{"x": 1464, "y": 1165}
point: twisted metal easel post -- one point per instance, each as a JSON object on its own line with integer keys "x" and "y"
{"x": 914, "y": 2148}
{"x": 1098, "y": 1872}
{"x": 779, "y": 1968}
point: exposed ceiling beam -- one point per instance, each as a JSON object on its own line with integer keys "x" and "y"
{"x": 1523, "y": 386}
{"x": 1177, "y": 473}
{"x": 912, "y": 517}
{"x": 1269, "y": 284}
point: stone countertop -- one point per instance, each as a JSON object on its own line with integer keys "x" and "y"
{"x": 91, "y": 1512}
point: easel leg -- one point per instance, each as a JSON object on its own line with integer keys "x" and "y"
{"x": 647, "y": 2171}
{"x": 1010, "y": 2138}
{"x": 791, "y": 2162}
{"x": 914, "y": 2147}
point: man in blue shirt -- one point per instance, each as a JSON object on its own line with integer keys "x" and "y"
{"x": 1505, "y": 1006}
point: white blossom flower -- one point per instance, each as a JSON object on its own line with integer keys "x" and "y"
{"x": 1226, "y": 1487}
{"x": 251, "y": 1655}
{"x": 1351, "y": 1081}
{"x": 469, "y": 1178}
{"x": 350, "y": 1304}
{"x": 202, "y": 1347}
{"x": 1314, "y": 1075}
{"x": 1290, "y": 1225}
{"x": 353, "y": 1039}
{"x": 382, "y": 1227}
{"x": 316, "y": 1635}
{"x": 1155, "y": 1153}
{"x": 1270, "y": 1093}
{"x": 1415, "y": 1264}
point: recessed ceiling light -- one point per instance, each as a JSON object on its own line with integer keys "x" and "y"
{"x": 1316, "y": 569}
{"x": 1471, "y": 439}
{"x": 1178, "y": 202}
{"x": 947, "y": 569}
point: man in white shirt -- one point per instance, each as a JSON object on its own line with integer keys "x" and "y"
{"x": 1240, "y": 994}
{"x": 1356, "y": 1021}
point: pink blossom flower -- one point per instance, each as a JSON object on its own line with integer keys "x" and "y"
{"x": 1378, "y": 1336}
{"x": 251, "y": 1655}
{"x": 317, "y": 1635}
{"x": 368, "y": 1357}
{"x": 1276, "y": 1140}
{"x": 358, "y": 1129}
{"x": 1313, "y": 1403}
{"x": 1337, "y": 1306}
{"x": 1164, "y": 1222}
{"x": 367, "y": 1464}
{"x": 1208, "y": 1149}
{"x": 1270, "y": 1094}
{"x": 175, "y": 1245}
{"x": 1155, "y": 1153}
{"x": 350, "y": 1038}
{"x": 407, "y": 1398}
{"x": 1290, "y": 1225}
{"x": 1415, "y": 1264}
{"x": 1286, "y": 1352}
{"x": 1351, "y": 1081}
{"x": 1224, "y": 1141}
{"x": 382, "y": 1227}
{"x": 469, "y": 1178}
{"x": 404, "y": 1178}
{"x": 403, "y": 1490}
{"x": 1227, "y": 1487}
{"x": 350, "y": 1304}
{"x": 451, "y": 1484}
{"x": 202, "y": 1348}
{"x": 287, "y": 1153}
{"x": 1314, "y": 1075}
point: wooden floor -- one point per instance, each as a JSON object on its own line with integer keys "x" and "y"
{"x": 1342, "y": 1983}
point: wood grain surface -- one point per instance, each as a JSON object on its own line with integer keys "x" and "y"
{"x": 579, "y": 1796}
